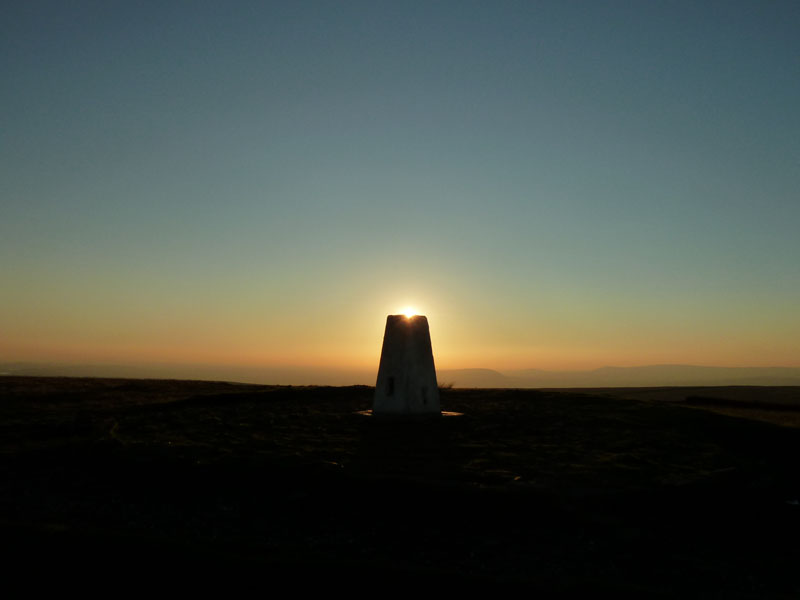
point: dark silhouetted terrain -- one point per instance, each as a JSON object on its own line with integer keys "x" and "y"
{"x": 557, "y": 491}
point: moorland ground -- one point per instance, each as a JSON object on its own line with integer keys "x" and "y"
{"x": 634, "y": 492}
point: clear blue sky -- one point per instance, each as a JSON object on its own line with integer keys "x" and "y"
{"x": 555, "y": 184}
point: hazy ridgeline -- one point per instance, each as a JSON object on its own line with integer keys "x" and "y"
{"x": 655, "y": 375}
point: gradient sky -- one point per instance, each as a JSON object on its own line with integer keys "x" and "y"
{"x": 554, "y": 184}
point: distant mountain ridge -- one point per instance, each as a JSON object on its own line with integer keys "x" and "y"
{"x": 268, "y": 375}
{"x": 643, "y": 376}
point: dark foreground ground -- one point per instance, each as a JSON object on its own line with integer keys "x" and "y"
{"x": 123, "y": 483}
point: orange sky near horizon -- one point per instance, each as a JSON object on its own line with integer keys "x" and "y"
{"x": 350, "y": 339}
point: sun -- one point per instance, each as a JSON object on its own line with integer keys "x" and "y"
{"x": 409, "y": 312}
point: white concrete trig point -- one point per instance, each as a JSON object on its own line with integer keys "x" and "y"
{"x": 406, "y": 376}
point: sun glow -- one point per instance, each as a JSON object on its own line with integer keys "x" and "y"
{"x": 409, "y": 312}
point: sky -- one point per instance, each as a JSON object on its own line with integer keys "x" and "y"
{"x": 556, "y": 185}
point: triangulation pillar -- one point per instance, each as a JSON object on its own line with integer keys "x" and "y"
{"x": 406, "y": 376}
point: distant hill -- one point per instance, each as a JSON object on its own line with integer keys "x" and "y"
{"x": 262, "y": 375}
{"x": 646, "y": 376}
{"x": 658, "y": 375}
